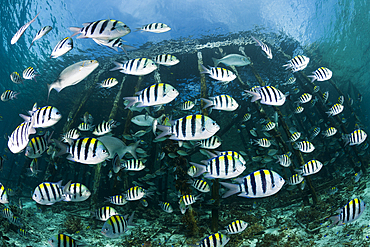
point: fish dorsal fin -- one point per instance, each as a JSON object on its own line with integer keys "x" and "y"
{"x": 86, "y": 24}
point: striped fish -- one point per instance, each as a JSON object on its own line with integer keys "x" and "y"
{"x": 16, "y": 221}
{"x": 44, "y": 117}
{"x": 41, "y": 33}
{"x": 214, "y": 240}
{"x": 222, "y": 102}
{"x": 20, "y": 32}
{"x": 200, "y": 185}
{"x": 166, "y": 207}
{"x": 263, "y": 142}
{"x": 133, "y": 165}
{"x": 330, "y": 132}
{"x": 298, "y": 110}
{"x": 290, "y": 81}
{"x": 191, "y": 127}
{"x": 117, "y": 225}
{"x": 71, "y": 134}
{"x": 350, "y": 212}
{"x": 156, "y": 27}
{"x": 105, "y": 213}
{"x": 211, "y": 143}
{"x": 63, "y": 46}
{"x": 311, "y": 167}
{"x": 135, "y": 193}
{"x": 355, "y": 138}
{"x": 246, "y": 117}
{"x": 62, "y": 240}
{"x": 315, "y": 132}
{"x": 48, "y": 193}
{"x": 321, "y": 74}
{"x": 261, "y": 183}
{"x": 114, "y": 44}
{"x": 104, "y": 127}
{"x": 29, "y": 73}
{"x": 295, "y": 136}
{"x": 108, "y": 83}
{"x": 86, "y": 150}
{"x": 3, "y": 195}
{"x": 117, "y": 200}
{"x": 223, "y": 166}
{"x": 191, "y": 171}
{"x": 7, "y": 213}
{"x": 166, "y": 60}
{"x": 264, "y": 48}
{"x": 335, "y": 109}
{"x": 235, "y": 227}
{"x": 236, "y": 155}
{"x": 76, "y": 192}
{"x": 306, "y": 97}
{"x": 316, "y": 89}
{"x": 157, "y": 94}
{"x": 219, "y": 74}
{"x": 269, "y": 126}
{"x": 37, "y": 146}
{"x": 19, "y": 138}
{"x": 295, "y": 179}
{"x": 85, "y": 127}
{"x": 297, "y": 63}
{"x": 268, "y": 95}
{"x": 325, "y": 96}
{"x": 304, "y": 146}
{"x": 102, "y": 29}
{"x": 8, "y": 95}
{"x": 341, "y": 99}
{"x": 187, "y": 105}
{"x": 16, "y": 78}
{"x": 23, "y": 232}
{"x": 138, "y": 66}
{"x": 284, "y": 160}
{"x": 189, "y": 199}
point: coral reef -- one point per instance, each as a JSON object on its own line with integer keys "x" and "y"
{"x": 73, "y": 224}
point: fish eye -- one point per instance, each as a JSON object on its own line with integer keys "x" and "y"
{"x": 203, "y": 129}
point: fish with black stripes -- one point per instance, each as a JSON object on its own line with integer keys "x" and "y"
{"x": 284, "y": 160}
{"x": 62, "y": 240}
{"x": 357, "y": 137}
{"x": 108, "y": 83}
{"x": 86, "y": 150}
{"x": 117, "y": 200}
{"x": 264, "y": 47}
{"x": 16, "y": 78}
{"x": 29, "y": 74}
{"x": 7, "y": 213}
{"x": 298, "y": 110}
{"x": 321, "y": 74}
{"x": 295, "y": 179}
{"x": 104, "y": 127}
{"x": 261, "y": 183}
{"x": 41, "y": 33}
{"x": 330, "y": 132}
{"x": 214, "y": 240}
{"x": 136, "y": 193}
{"x": 15, "y": 220}
{"x": 166, "y": 207}
{"x": 114, "y": 44}
{"x": 72, "y": 134}
{"x": 48, "y": 193}
{"x": 38, "y": 145}
{"x": 85, "y": 126}
{"x": 154, "y": 95}
{"x": 295, "y": 136}
{"x": 105, "y": 213}
{"x": 263, "y": 142}
{"x": 210, "y": 143}
{"x": 189, "y": 199}
{"x": 304, "y": 146}
{"x": 133, "y": 165}
{"x": 223, "y": 166}
{"x": 222, "y": 102}
{"x": 349, "y": 213}
{"x": 19, "y": 138}
{"x": 155, "y": 27}
{"x": 20, "y": 32}
{"x": 237, "y": 226}
{"x": 23, "y": 232}
{"x": 76, "y": 192}
{"x": 117, "y": 225}
{"x": 166, "y": 60}
{"x": 305, "y": 98}
{"x": 63, "y": 46}
{"x": 269, "y": 126}
{"x": 137, "y": 66}
{"x": 297, "y": 63}
{"x": 268, "y": 95}
{"x": 200, "y": 185}
{"x": 3, "y": 195}
{"x": 315, "y": 132}
{"x": 335, "y": 110}
{"x": 44, "y": 117}
{"x": 220, "y": 74}
{"x": 8, "y": 95}
{"x": 187, "y": 105}
{"x": 311, "y": 167}
{"x": 102, "y": 29}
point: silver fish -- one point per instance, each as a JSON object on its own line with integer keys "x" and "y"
{"x": 103, "y": 29}
{"x": 41, "y": 33}
{"x": 63, "y": 46}
{"x": 20, "y": 32}
{"x": 232, "y": 59}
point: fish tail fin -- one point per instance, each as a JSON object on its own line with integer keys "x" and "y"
{"x": 30, "y": 45}
{"x": 205, "y": 69}
{"x": 15, "y": 95}
{"x": 130, "y": 220}
{"x": 232, "y": 189}
{"x": 66, "y": 188}
{"x": 118, "y": 66}
{"x": 200, "y": 169}
{"x": 166, "y": 130}
{"x": 346, "y": 139}
{"x": 49, "y": 90}
{"x": 313, "y": 78}
{"x": 334, "y": 220}
{"x": 216, "y": 61}
{"x": 132, "y": 149}
{"x": 255, "y": 96}
{"x": 25, "y": 118}
{"x": 75, "y": 30}
{"x": 208, "y": 103}
{"x": 132, "y": 101}
{"x": 63, "y": 148}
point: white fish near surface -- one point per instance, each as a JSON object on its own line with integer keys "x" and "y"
{"x": 102, "y": 29}
{"x": 8, "y": 95}
{"x": 355, "y": 138}
{"x": 156, "y": 27}
{"x": 222, "y": 102}
{"x": 219, "y": 74}
{"x": 304, "y": 146}
{"x": 63, "y": 46}
{"x": 311, "y": 167}
{"x": 73, "y": 74}
{"x": 108, "y": 83}
{"x": 138, "y": 66}
{"x": 20, "y": 32}
{"x": 157, "y": 94}
{"x": 335, "y": 109}
{"x": 261, "y": 183}
{"x": 191, "y": 127}
{"x": 264, "y": 48}
{"x": 166, "y": 60}
{"x": 45, "y": 117}
{"x": 269, "y": 95}
{"x": 350, "y": 212}
{"x": 321, "y": 74}
{"x": 16, "y": 78}
{"x": 19, "y": 138}
{"x": 297, "y": 63}
{"x": 114, "y": 44}
{"x": 48, "y": 193}
{"x": 232, "y": 60}
{"x": 41, "y": 34}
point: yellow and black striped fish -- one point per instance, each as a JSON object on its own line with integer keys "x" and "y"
{"x": 62, "y": 240}
{"x": 48, "y": 193}
{"x": 236, "y": 226}
{"x": 116, "y": 225}
{"x": 105, "y": 213}
{"x": 214, "y": 240}
{"x": 3, "y": 195}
